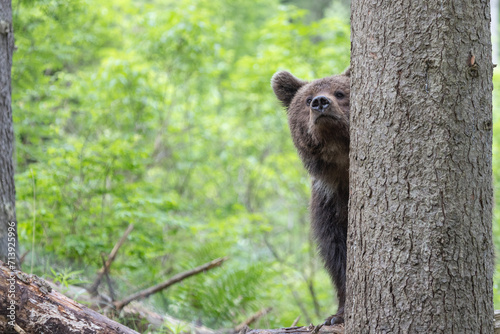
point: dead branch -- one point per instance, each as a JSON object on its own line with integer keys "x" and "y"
{"x": 177, "y": 278}
{"x": 93, "y": 288}
{"x": 252, "y": 319}
{"x": 295, "y": 322}
{"x": 108, "y": 280}
{"x": 23, "y": 257}
{"x": 337, "y": 329}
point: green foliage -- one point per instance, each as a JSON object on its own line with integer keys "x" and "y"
{"x": 66, "y": 277}
{"x": 160, "y": 114}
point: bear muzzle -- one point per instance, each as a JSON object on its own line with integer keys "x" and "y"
{"x": 324, "y": 108}
{"x": 320, "y": 103}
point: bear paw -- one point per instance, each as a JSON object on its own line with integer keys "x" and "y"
{"x": 335, "y": 319}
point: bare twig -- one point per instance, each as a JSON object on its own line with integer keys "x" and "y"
{"x": 108, "y": 280}
{"x": 93, "y": 288}
{"x": 177, "y": 278}
{"x": 295, "y": 322}
{"x": 19, "y": 329}
{"x": 337, "y": 329}
{"x": 316, "y": 329}
{"x": 23, "y": 257}
{"x": 253, "y": 318}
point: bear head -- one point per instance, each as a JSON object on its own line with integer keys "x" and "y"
{"x": 318, "y": 116}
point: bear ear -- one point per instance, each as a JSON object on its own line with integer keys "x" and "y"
{"x": 285, "y": 86}
{"x": 347, "y": 72}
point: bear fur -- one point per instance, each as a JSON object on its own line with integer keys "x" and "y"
{"x": 318, "y": 116}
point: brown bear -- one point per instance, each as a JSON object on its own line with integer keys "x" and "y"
{"x": 318, "y": 116}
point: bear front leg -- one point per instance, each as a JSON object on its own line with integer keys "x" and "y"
{"x": 329, "y": 222}
{"x": 335, "y": 263}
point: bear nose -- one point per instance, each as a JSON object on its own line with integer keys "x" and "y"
{"x": 320, "y": 103}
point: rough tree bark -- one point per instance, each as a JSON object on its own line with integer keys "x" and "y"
{"x": 420, "y": 246}
{"x": 7, "y": 190}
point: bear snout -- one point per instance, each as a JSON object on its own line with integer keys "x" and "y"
{"x": 320, "y": 103}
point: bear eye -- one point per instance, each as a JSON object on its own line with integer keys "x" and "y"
{"x": 339, "y": 95}
{"x": 308, "y": 101}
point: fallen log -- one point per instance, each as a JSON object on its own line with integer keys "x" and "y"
{"x": 28, "y": 304}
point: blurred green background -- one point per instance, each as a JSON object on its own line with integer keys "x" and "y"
{"x": 160, "y": 113}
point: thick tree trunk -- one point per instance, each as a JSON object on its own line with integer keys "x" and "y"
{"x": 8, "y": 243}
{"x": 29, "y": 305}
{"x": 420, "y": 256}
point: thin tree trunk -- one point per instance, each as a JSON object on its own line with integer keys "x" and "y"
{"x": 8, "y": 243}
{"x": 494, "y": 29}
{"x": 420, "y": 256}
